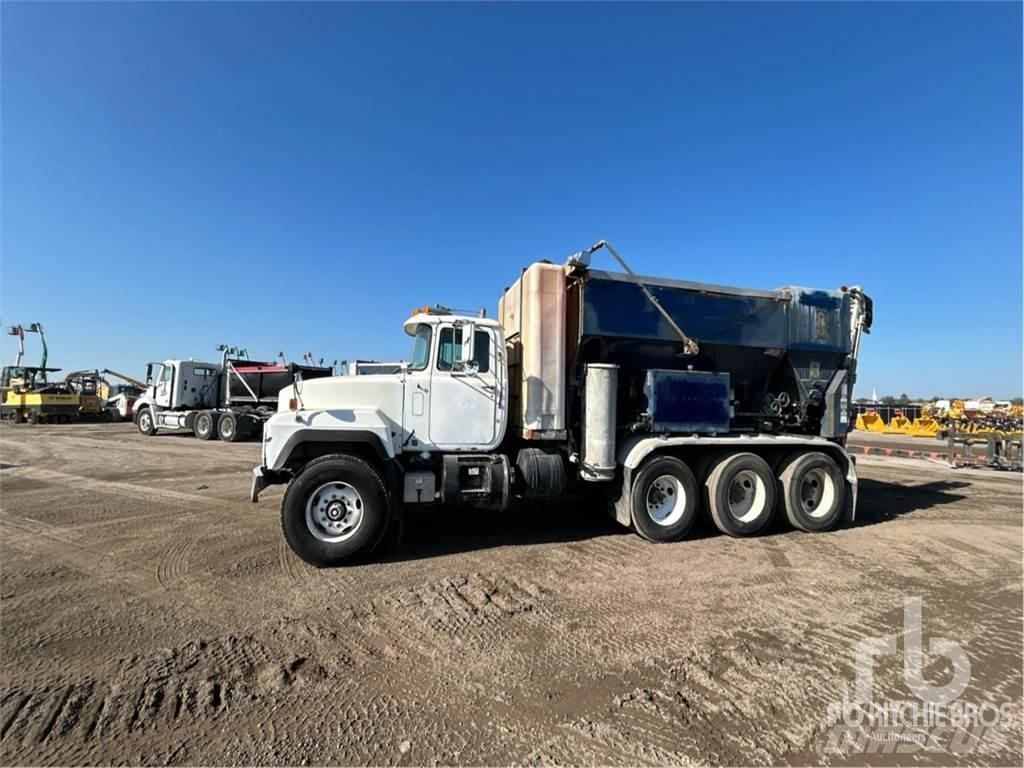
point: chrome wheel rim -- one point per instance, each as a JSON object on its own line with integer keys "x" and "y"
{"x": 334, "y": 512}
{"x": 666, "y": 500}
{"x": 817, "y": 492}
{"x": 144, "y": 421}
{"x": 747, "y": 496}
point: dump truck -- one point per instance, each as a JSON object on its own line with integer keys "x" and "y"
{"x": 665, "y": 398}
{"x": 229, "y": 399}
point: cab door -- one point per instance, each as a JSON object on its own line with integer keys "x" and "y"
{"x": 416, "y": 382}
{"x": 162, "y": 390}
{"x": 464, "y": 398}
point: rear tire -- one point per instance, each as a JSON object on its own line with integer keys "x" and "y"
{"x": 335, "y": 511}
{"x": 227, "y": 428}
{"x": 145, "y": 423}
{"x": 813, "y": 491}
{"x": 205, "y": 427}
{"x": 663, "y": 499}
{"x": 741, "y": 494}
{"x": 33, "y": 417}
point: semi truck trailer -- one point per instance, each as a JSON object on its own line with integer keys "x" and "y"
{"x": 668, "y": 399}
{"x": 229, "y": 399}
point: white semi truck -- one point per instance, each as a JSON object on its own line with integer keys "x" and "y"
{"x": 229, "y": 399}
{"x": 674, "y": 398}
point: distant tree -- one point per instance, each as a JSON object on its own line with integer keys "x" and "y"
{"x": 934, "y": 399}
{"x": 904, "y": 399}
{"x": 888, "y": 400}
{"x": 1017, "y": 401}
{"x": 862, "y": 400}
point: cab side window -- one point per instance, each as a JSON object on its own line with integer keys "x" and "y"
{"x": 449, "y": 349}
{"x": 165, "y": 374}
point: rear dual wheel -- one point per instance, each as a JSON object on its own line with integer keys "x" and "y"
{"x": 813, "y": 491}
{"x": 664, "y": 499}
{"x": 227, "y": 427}
{"x": 205, "y": 427}
{"x": 740, "y": 492}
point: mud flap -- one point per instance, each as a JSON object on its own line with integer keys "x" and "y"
{"x": 259, "y": 482}
{"x": 618, "y": 506}
{"x": 850, "y": 508}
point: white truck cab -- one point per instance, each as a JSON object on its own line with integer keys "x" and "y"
{"x": 449, "y": 397}
{"x": 179, "y": 384}
{"x": 228, "y": 400}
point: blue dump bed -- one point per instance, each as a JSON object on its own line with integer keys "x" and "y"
{"x": 778, "y": 359}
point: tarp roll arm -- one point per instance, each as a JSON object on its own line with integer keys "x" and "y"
{"x": 690, "y": 345}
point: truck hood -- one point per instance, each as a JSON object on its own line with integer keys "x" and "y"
{"x": 380, "y": 392}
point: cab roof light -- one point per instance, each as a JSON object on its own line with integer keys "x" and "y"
{"x": 437, "y": 309}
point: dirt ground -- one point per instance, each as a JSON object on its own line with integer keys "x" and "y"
{"x": 150, "y": 614}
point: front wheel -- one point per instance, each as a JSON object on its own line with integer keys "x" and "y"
{"x": 335, "y": 511}
{"x": 663, "y": 501}
{"x": 144, "y": 421}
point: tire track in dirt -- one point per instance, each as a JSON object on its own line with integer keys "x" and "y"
{"x": 288, "y": 562}
{"x": 130, "y": 490}
{"x": 199, "y": 681}
{"x": 25, "y": 533}
{"x": 776, "y": 556}
{"x": 709, "y": 704}
{"x": 174, "y": 563}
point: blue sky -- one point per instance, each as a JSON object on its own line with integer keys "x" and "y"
{"x": 297, "y": 177}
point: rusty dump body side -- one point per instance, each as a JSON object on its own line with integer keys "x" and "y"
{"x": 795, "y": 342}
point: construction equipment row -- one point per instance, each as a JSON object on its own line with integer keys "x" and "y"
{"x": 937, "y": 423}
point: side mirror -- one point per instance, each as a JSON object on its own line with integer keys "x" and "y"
{"x": 466, "y": 349}
{"x": 149, "y": 373}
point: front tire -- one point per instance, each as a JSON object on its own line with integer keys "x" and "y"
{"x": 741, "y": 494}
{"x": 144, "y": 421}
{"x": 663, "y": 500}
{"x": 813, "y": 491}
{"x": 335, "y": 511}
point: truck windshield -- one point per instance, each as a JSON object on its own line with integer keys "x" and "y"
{"x": 420, "y": 348}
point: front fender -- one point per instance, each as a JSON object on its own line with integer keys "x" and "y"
{"x": 286, "y": 430}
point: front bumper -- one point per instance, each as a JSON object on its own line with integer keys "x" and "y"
{"x": 261, "y": 478}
